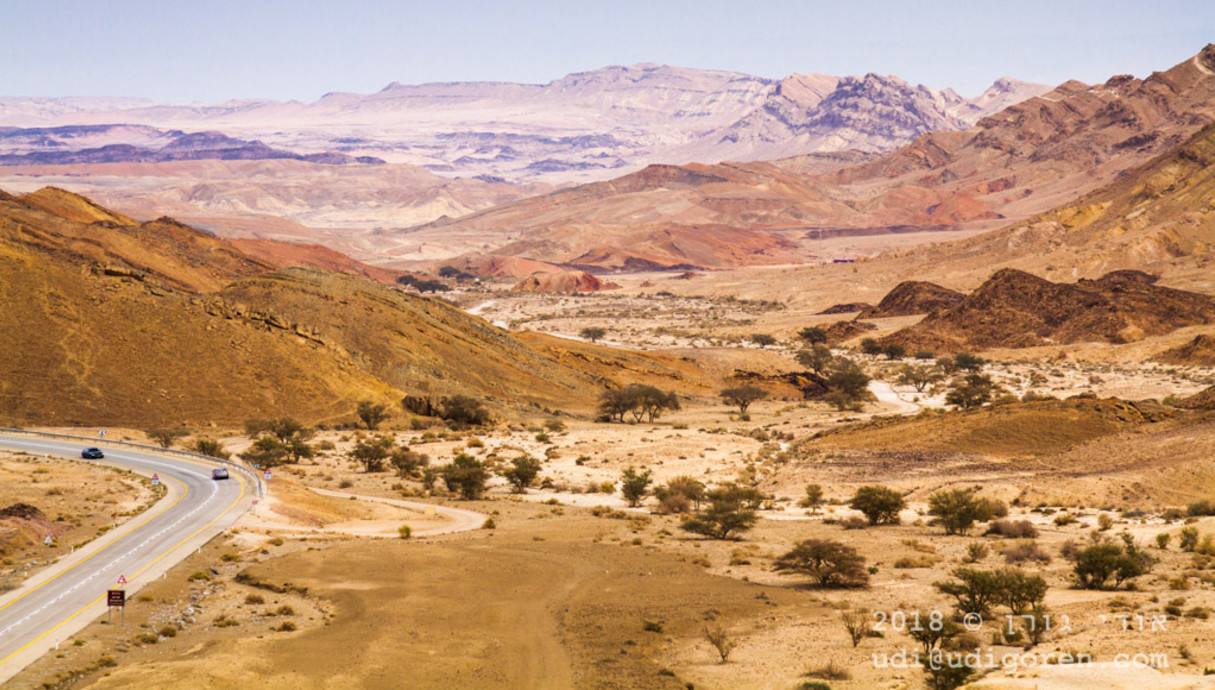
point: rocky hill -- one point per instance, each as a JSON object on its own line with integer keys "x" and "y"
{"x": 913, "y": 297}
{"x": 101, "y": 312}
{"x": 563, "y": 281}
{"x": 1016, "y": 309}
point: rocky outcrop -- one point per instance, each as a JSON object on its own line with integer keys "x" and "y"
{"x": 1017, "y": 309}
{"x": 913, "y": 297}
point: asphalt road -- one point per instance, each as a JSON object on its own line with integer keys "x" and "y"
{"x": 67, "y": 596}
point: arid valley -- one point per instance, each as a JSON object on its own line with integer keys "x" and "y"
{"x": 644, "y": 377}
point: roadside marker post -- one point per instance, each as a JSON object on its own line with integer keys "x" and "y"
{"x": 155, "y": 479}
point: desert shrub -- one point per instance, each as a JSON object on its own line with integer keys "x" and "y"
{"x": 1201, "y": 508}
{"x": 856, "y": 624}
{"x": 1162, "y": 540}
{"x": 1025, "y": 550}
{"x": 1188, "y": 538}
{"x": 720, "y": 639}
{"x": 1064, "y": 519}
{"x": 1013, "y": 529}
{"x": 829, "y": 563}
{"x": 1105, "y": 522}
{"x": 167, "y": 631}
{"x": 832, "y": 671}
{"x": 975, "y": 552}
{"x": 254, "y": 599}
{"x": 854, "y": 522}
{"x": 879, "y": 504}
{"x": 405, "y": 531}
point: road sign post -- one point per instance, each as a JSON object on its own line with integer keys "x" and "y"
{"x": 116, "y": 598}
{"x": 155, "y": 479}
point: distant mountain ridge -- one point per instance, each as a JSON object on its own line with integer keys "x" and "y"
{"x": 584, "y": 126}
{"x": 63, "y": 146}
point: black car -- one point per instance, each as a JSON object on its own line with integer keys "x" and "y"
{"x": 92, "y": 454}
{"x": 219, "y": 473}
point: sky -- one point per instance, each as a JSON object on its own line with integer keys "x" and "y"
{"x": 215, "y": 50}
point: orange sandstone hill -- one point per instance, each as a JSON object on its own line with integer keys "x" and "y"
{"x": 110, "y": 321}
{"x": 1017, "y": 309}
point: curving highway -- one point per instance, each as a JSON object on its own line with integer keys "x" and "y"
{"x": 66, "y": 597}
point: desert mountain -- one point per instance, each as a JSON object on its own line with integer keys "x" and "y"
{"x": 709, "y": 216}
{"x": 584, "y": 126}
{"x": 1156, "y": 218}
{"x": 913, "y": 297}
{"x": 101, "y": 311}
{"x": 818, "y": 113}
{"x": 1023, "y": 160}
{"x": 1017, "y": 309}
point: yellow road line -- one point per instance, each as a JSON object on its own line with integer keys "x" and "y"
{"x": 149, "y": 565}
{"x": 185, "y": 490}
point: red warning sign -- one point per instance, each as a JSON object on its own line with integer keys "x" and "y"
{"x": 122, "y": 579}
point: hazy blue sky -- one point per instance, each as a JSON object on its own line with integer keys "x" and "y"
{"x": 214, "y": 50}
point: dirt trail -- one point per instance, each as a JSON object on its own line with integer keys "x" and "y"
{"x": 455, "y": 519}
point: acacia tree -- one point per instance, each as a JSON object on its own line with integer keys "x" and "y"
{"x": 829, "y": 563}
{"x": 763, "y": 339}
{"x": 975, "y": 390}
{"x": 813, "y": 335}
{"x": 165, "y": 436}
{"x": 919, "y": 376}
{"x": 848, "y": 385}
{"x": 523, "y": 471}
{"x": 278, "y": 441}
{"x": 371, "y": 453}
{"x": 817, "y": 359}
{"x": 729, "y": 512}
{"x": 210, "y": 447}
{"x": 637, "y": 400}
{"x": 957, "y": 510}
{"x": 814, "y": 497}
{"x": 372, "y": 414}
{"x": 407, "y": 462}
{"x": 467, "y": 475}
{"x": 879, "y": 504}
{"x": 593, "y": 333}
{"x": 743, "y": 396}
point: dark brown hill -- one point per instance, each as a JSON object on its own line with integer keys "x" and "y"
{"x": 1202, "y": 400}
{"x": 913, "y": 297}
{"x": 1017, "y": 309}
{"x": 846, "y": 308}
{"x": 1198, "y": 352}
